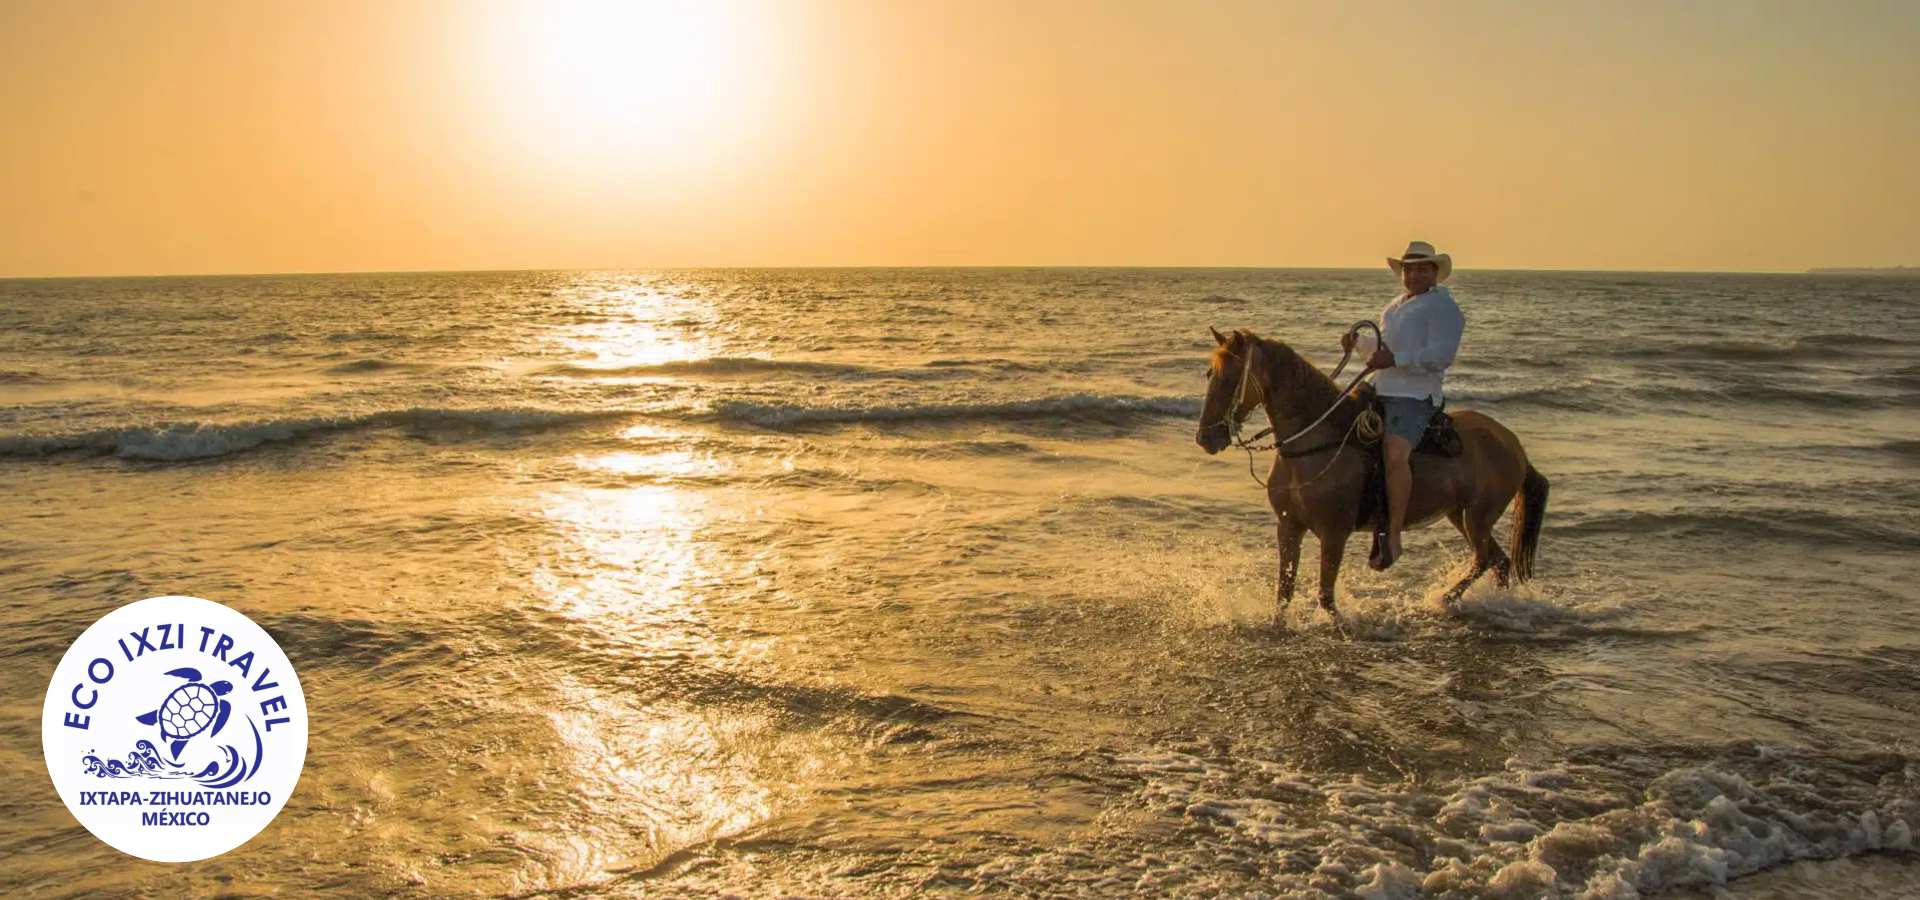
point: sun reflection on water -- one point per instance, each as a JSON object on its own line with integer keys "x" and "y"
{"x": 634, "y": 554}
{"x": 648, "y": 773}
{"x": 627, "y": 324}
{"x": 657, "y": 464}
{"x": 651, "y": 780}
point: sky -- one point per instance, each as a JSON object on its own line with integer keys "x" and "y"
{"x": 267, "y": 136}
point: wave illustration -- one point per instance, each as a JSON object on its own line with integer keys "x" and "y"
{"x": 143, "y": 761}
{"x": 175, "y": 442}
{"x": 776, "y": 415}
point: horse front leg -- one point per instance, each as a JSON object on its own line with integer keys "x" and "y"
{"x": 1333, "y": 546}
{"x": 1290, "y": 534}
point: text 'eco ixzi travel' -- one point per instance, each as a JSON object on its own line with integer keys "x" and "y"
{"x": 174, "y": 728}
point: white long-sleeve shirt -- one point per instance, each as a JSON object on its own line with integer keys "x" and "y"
{"x": 1424, "y": 334}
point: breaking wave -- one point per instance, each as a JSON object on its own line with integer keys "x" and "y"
{"x": 1603, "y": 822}
{"x": 174, "y": 442}
{"x": 776, "y": 415}
{"x": 713, "y": 365}
{"x": 740, "y": 366}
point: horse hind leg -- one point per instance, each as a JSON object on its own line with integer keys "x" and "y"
{"x": 1477, "y": 528}
{"x": 1489, "y": 552}
{"x": 1459, "y": 588}
{"x": 1502, "y": 566}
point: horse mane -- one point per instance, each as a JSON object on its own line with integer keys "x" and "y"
{"x": 1297, "y": 385}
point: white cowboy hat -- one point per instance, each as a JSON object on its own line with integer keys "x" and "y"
{"x": 1421, "y": 251}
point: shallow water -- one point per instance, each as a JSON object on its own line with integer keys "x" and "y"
{"x": 880, "y": 582}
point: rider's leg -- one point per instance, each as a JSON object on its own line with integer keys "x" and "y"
{"x": 1399, "y": 487}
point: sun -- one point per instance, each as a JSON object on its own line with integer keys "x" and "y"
{"x": 648, "y": 78}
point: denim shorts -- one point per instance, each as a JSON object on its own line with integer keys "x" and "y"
{"x": 1407, "y": 417}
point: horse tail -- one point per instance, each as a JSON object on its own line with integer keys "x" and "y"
{"x": 1529, "y": 509}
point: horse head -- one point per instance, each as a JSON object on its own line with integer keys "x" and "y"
{"x": 1232, "y": 389}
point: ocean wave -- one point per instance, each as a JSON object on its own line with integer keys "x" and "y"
{"x": 1599, "y": 822}
{"x": 712, "y": 365}
{"x": 1764, "y": 393}
{"x": 776, "y": 415}
{"x": 722, "y": 366}
{"x": 1572, "y": 397}
{"x": 1851, "y": 340}
{"x": 1750, "y": 351}
{"x": 364, "y": 366}
{"x": 180, "y": 441}
{"x": 380, "y": 337}
{"x": 996, "y": 363}
{"x": 962, "y": 449}
{"x": 1794, "y": 526}
{"x": 1608, "y": 398}
{"x": 1905, "y": 449}
{"x": 1906, "y": 378}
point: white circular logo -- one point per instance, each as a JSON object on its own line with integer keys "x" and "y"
{"x": 174, "y": 729}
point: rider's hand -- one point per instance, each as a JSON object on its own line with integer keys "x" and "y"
{"x": 1381, "y": 359}
{"x": 1346, "y": 342}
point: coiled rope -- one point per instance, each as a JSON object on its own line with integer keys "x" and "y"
{"x": 1368, "y": 424}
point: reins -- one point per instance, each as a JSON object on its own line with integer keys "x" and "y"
{"x": 1250, "y": 445}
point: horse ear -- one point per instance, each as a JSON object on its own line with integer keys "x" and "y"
{"x": 1218, "y": 338}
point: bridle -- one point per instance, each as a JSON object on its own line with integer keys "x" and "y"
{"x": 1232, "y": 417}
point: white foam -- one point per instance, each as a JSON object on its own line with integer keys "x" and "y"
{"x": 174, "y": 442}
{"x": 1529, "y": 830}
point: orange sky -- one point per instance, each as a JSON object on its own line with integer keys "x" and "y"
{"x": 148, "y": 138}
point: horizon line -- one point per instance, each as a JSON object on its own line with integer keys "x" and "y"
{"x": 1815, "y": 270}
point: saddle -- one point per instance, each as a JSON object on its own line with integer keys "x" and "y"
{"x": 1440, "y": 439}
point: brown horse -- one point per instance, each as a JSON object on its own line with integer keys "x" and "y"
{"x": 1317, "y": 478}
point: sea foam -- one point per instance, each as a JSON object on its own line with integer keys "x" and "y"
{"x": 172, "y": 442}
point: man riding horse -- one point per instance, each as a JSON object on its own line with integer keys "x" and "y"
{"x": 1325, "y": 461}
{"x": 1421, "y": 328}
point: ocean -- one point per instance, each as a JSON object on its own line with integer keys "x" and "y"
{"x": 896, "y": 582}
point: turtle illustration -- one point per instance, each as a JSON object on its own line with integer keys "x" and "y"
{"x": 190, "y": 709}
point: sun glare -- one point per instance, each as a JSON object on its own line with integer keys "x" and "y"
{"x": 639, "y": 80}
